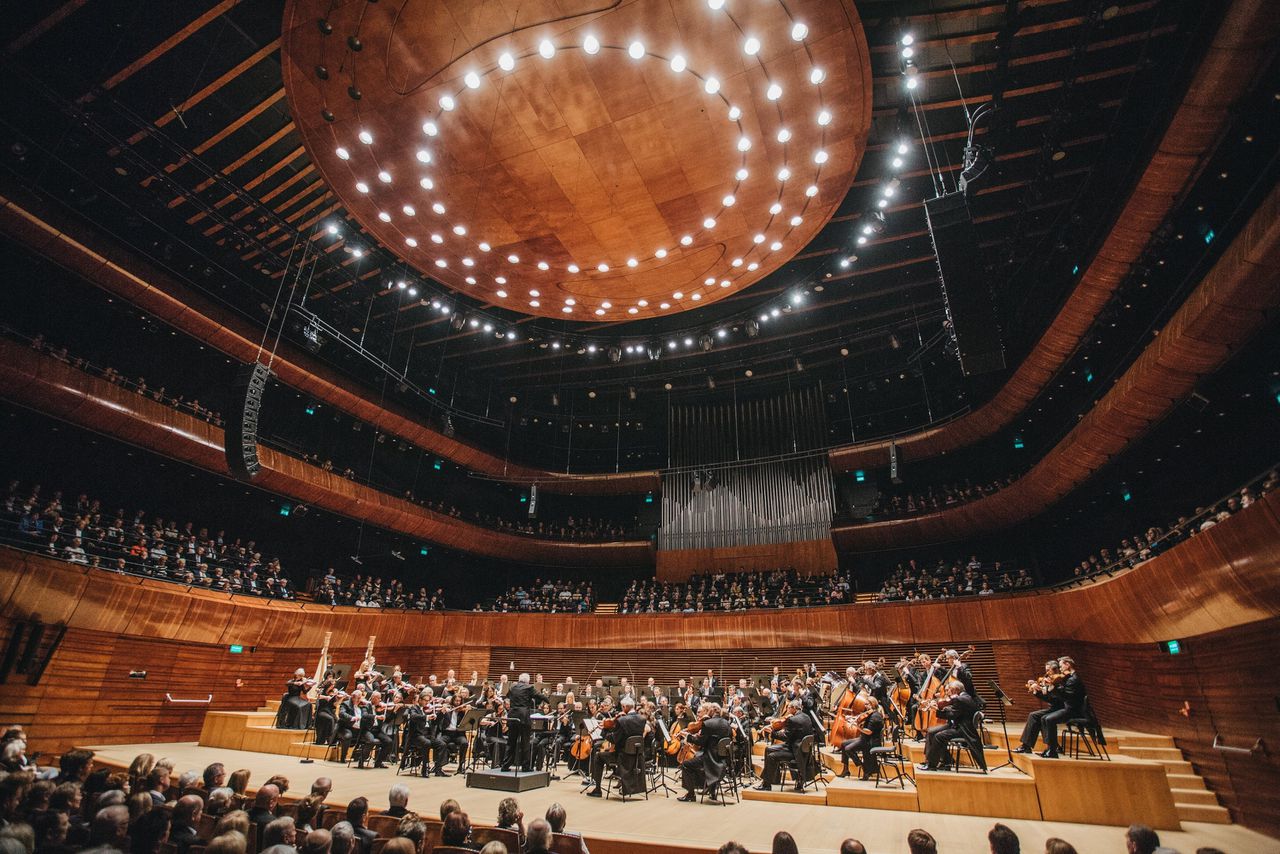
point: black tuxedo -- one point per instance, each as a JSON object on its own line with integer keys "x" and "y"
{"x": 524, "y": 699}
{"x": 962, "y": 673}
{"x": 625, "y": 727}
{"x": 799, "y": 726}
{"x": 1066, "y": 701}
{"x": 349, "y": 721}
{"x": 449, "y": 739}
{"x": 705, "y": 768}
{"x": 958, "y": 720}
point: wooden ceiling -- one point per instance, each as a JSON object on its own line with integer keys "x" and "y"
{"x": 592, "y": 184}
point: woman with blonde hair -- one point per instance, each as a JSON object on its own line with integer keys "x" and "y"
{"x": 139, "y": 768}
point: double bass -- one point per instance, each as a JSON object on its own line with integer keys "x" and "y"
{"x": 931, "y": 689}
{"x": 851, "y": 704}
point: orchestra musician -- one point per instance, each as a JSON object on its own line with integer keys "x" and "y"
{"x": 1064, "y": 692}
{"x": 451, "y": 740}
{"x": 959, "y": 671}
{"x": 326, "y": 718}
{"x": 372, "y": 730}
{"x": 350, "y": 713}
{"x": 870, "y": 728}
{"x": 957, "y": 709}
{"x": 621, "y": 728}
{"x": 295, "y": 708}
{"x": 792, "y": 730}
{"x": 705, "y": 769}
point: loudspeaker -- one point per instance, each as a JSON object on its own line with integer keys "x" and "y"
{"x": 893, "y": 464}
{"x": 965, "y": 293}
{"x": 241, "y": 435}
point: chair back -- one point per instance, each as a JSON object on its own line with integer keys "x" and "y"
{"x": 383, "y": 825}
{"x": 435, "y": 828}
{"x": 206, "y": 827}
{"x": 332, "y": 815}
{"x": 566, "y": 843}
{"x": 632, "y": 745}
{"x": 807, "y": 744}
{"x": 722, "y": 747}
{"x": 483, "y": 835}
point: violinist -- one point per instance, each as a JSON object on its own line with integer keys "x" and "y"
{"x": 494, "y": 731}
{"x": 295, "y": 708}
{"x": 451, "y": 740}
{"x": 372, "y": 731}
{"x": 350, "y": 714}
{"x": 417, "y": 731}
{"x": 327, "y": 710}
{"x": 705, "y": 768}
{"x": 1064, "y": 692}
{"x": 870, "y": 728}
{"x": 957, "y": 709}
{"x": 874, "y": 682}
{"x": 616, "y": 732}
{"x": 790, "y": 730}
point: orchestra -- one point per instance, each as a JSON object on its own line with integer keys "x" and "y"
{"x": 381, "y": 716}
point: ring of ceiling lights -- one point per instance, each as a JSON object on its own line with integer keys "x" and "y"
{"x": 699, "y": 264}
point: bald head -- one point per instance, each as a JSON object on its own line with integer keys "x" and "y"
{"x": 110, "y": 826}
{"x": 188, "y": 810}
{"x": 538, "y": 835}
{"x": 317, "y": 842}
{"x": 267, "y": 797}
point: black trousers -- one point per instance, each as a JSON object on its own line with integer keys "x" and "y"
{"x": 935, "y": 743}
{"x": 449, "y": 743}
{"x": 600, "y": 759}
{"x": 1049, "y": 726}
{"x": 859, "y": 750}
{"x": 326, "y": 723}
{"x": 518, "y": 741}
{"x": 775, "y": 756}
{"x": 692, "y": 773}
{"x": 380, "y": 743}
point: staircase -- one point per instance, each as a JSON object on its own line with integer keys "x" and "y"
{"x": 606, "y": 607}
{"x": 256, "y": 731}
{"x": 1191, "y": 796}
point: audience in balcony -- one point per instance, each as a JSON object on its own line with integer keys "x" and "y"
{"x": 774, "y": 588}
{"x": 912, "y": 581}
{"x": 936, "y": 498}
{"x": 83, "y": 531}
{"x": 546, "y": 596}
{"x": 368, "y": 592}
{"x": 1138, "y": 548}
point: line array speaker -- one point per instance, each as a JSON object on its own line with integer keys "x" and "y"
{"x": 965, "y": 292}
{"x": 241, "y": 435}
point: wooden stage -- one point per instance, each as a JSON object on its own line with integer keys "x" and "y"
{"x": 661, "y": 824}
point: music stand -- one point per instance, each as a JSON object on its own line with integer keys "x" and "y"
{"x": 1002, "y": 700}
{"x": 659, "y": 746}
{"x": 470, "y": 724}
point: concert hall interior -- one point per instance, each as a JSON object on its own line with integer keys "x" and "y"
{"x": 694, "y": 427}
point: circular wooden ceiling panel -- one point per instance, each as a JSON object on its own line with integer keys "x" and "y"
{"x": 579, "y": 160}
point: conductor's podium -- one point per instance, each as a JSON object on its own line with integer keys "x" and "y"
{"x": 1146, "y": 781}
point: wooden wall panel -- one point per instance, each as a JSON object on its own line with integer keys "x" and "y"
{"x": 1237, "y": 53}
{"x": 55, "y": 388}
{"x": 810, "y": 557}
{"x": 1233, "y": 302}
{"x": 115, "y": 270}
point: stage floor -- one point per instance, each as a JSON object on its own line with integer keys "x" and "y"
{"x": 665, "y": 822}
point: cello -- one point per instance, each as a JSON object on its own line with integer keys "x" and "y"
{"x": 931, "y": 689}
{"x": 852, "y": 703}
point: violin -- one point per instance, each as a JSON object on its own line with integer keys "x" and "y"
{"x": 1045, "y": 684}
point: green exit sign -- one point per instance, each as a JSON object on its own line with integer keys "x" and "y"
{"x": 1174, "y": 647}
{"x": 237, "y": 648}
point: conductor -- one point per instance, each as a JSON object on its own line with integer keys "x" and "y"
{"x": 524, "y": 698}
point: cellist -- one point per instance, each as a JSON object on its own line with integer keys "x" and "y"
{"x": 869, "y": 727}
{"x": 705, "y": 768}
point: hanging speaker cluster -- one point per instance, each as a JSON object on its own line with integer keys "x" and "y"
{"x": 240, "y": 440}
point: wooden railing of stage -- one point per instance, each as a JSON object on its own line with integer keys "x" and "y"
{"x": 1218, "y": 593}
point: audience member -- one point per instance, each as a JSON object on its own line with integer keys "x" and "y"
{"x": 921, "y": 842}
{"x": 1003, "y": 840}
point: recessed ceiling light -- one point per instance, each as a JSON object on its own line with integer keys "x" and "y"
{"x": 799, "y": 31}
{"x": 728, "y": 201}
{"x": 796, "y": 220}
{"x": 468, "y": 262}
{"x": 736, "y": 262}
{"x": 573, "y": 268}
{"x": 819, "y": 157}
{"x": 513, "y": 258}
{"x": 362, "y": 186}
{"x": 759, "y": 238}
{"x": 470, "y": 280}
{"x": 678, "y": 63}
{"x": 635, "y": 50}
{"x": 366, "y": 137}
{"x": 751, "y": 46}
{"x": 384, "y": 176}
{"x": 570, "y": 301}
{"x": 824, "y": 118}
{"x": 506, "y": 62}
{"x": 440, "y": 262}
{"x": 696, "y": 297}
{"x": 816, "y": 76}
{"x": 742, "y": 174}
{"x": 686, "y": 240}
{"x": 775, "y": 208}
{"x": 642, "y": 303}
{"x": 744, "y": 144}
{"x": 447, "y": 103}
{"x": 437, "y": 207}
{"x": 711, "y": 85}
{"x": 484, "y": 247}
{"x": 753, "y": 266}
{"x": 784, "y": 173}
{"x": 534, "y": 303}
{"x": 543, "y": 265}
{"x": 426, "y": 183}
{"x": 632, "y": 310}
{"x": 708, "y": 223}
{"x": 774, "y": 92}
{"x": 735, "y": 113}
{"x": 606, "y": 304}
{"x": 411, "y": 242}
{"x": 602, "y": 267}
{"x": 471, "y": 80}
{"x": 430, "y": 129}
{"x": 811, "y": 190}
{"x": 775, "y": 245}
{"x": 664, "y": 305}
{"x": 436, "y": 238}
{"x": 408, "y": 210}
{"x": 599, "y": 312}
{"x": 502, "y": 294}
{"x": 784, "y": 135}
{"x": 716, "y": 4}
{"x": 883, "y": 203}
{"x": 502, "y": 280}
{"x": 908, "y": 39}
{"x": 724, "y": 283}
{"x": 342, "y": 153}
{"x": 661, "y": 253}
{"x": 535, "y": 293}
{"x": 631, "y": 262}
{"x": 357, "y": 252}
{"x": 459, "y": 230}
{"x": 567, "y": 309}
{"x": 384, "y": 216}
{"x": 546, "y": 49}
{"x": 591, "y": 45}
{"x": 896, "y": 163}
{"x": 424, "y": 156}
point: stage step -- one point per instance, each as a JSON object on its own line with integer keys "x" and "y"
{"x": 1138, "y": 739}
{"x": 1156, "y": 754}
{"x": 787, "y": 795}
{"x": 1212, "y": 814}
{"x": 1186, "y": 781}
{"x": 1201, "y": 797}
